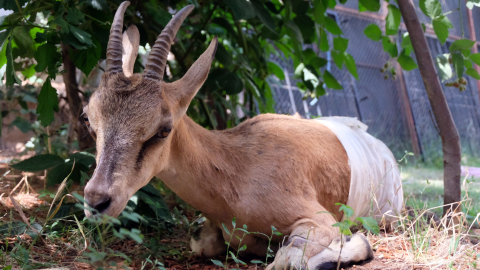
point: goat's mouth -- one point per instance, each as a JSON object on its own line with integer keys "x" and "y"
{"x": 107, "y": 206}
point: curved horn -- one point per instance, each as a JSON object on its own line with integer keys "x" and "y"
{"x": 157, "y": 59}
{"x": 114, "y": 48}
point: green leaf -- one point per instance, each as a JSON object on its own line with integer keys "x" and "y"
{"x": 406, "y": 62}
{"x": 330, "y": 81}
{"x": 74, "y": 16}
{"x": 461, "y": 44}
{"x": 87, "y": 59}
{"x": 84, "y": 158}
{"x": 38, "y": 163}
{"x": 361, "y": 8}
{"x": 4, "y": 35}
{"x": 458, "y": 64}
{"x": 60, "y": 172}
{"x": 223, "y": 56}
{"x": 23, "y": 40}
{"x": 72, "y": 40}
{"x": 406, "y": 43}
{"x": 468, "y": 63}
{"x": 231, "y": 83}
{"x": 332, "y": 26}
{"x": 47, "y": 56}
{"x": 317, "y": 62}
{"x": 222, "y": 22}
{"x": 59, "y": 21}
{"x": 444, "y": 69}
{"x": 466, "y": 52}
{"x": 241, "y": 9}
{"x": 81, "y": 35}
{"x": 264, "y": 15}
{"x": 320, "y": 91}
{"x": 98, "y": 4}
{"x": 340, "y": 44}
{"x": 319, "y": 8}
{"x": 389, "y": 46}
{"x": 370, "y": 5}
{"x": 225, "y": 228}
{"x": 29, "y": 71}
{"x": 157, "y": 208}
{"x": 219, "y": 263}
{"x": 393, "y": 20}
{"x": 441, "y": 25}
{"x": 12, "y": 5}
{"x": 373, "y": 32}
{"x": 324, "y": 41}
{"x": 431, "y": 8}
{"x": 256, "y": 261}
{"x": 346, "y": 209}
{"x": 276, "y": 70}
{"x": 473, "y": 73}
{"x": 294, "y": 32}
{"x": 338, "y": 58}
{"x": 475, "y": 58}
{"x": 11, "y": 77}
{"x": 12, "y": 229}
{"x": 370, "y": 224}
{"x": 47, "y": 103}
{"x": 307, "y": 27}
{"x": 21, "y": 124}
{"x": 234, "y": 222}
{"x": 134, "y": 234}
{"x": 350, "y": 64}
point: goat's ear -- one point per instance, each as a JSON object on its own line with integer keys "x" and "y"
{"x": 130, "y": 43}
{"x": 181, "y": 92}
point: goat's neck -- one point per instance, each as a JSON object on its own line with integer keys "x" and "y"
{"x": 200, "y": 163}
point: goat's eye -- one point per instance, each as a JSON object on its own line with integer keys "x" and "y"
{"x": 86, "y": 120}
{"x": 163, "y": 133}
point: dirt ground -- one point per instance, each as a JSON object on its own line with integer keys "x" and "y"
{"x": 391, "y": 251}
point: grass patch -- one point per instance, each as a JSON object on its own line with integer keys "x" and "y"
{"x": 423, "y": 189}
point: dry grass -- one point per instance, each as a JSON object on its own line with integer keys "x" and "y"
{"x": 417, "y": 241}
{"x": 422, "y": 241}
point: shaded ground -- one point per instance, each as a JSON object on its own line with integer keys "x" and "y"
{"x": 395, "y": 250}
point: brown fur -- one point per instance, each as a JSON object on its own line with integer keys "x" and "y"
{"x": 271, "y": 170}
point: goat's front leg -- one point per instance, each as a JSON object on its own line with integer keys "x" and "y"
{"x": 208, "y": 241}
{"x": 314, "y": 246}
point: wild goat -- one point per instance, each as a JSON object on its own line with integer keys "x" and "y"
{"x": 270, "y": 170}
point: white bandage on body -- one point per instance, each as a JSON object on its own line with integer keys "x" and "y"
{"x": 376, "y": 186}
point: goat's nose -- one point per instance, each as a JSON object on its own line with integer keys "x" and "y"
{"x": 99, "y": 202}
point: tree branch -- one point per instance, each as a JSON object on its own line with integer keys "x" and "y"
{"x": 443, "y": 117}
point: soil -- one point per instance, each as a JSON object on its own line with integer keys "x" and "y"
{"x": 386, "y": 256}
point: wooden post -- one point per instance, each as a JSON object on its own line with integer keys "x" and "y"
{"x": 408, "y": 113}
{"x": 290, "y": 93}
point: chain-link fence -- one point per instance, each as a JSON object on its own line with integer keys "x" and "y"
{"x": 397, "y": 111}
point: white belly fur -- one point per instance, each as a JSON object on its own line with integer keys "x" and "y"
{"x": 376, "y": 187}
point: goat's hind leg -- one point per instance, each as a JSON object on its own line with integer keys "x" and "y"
{"x": 208, "y": 241}
{"x": 356, "y": 250}
{"x": 313, "y": 246}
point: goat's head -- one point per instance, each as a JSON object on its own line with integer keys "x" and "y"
{"x": 133, "y": 116}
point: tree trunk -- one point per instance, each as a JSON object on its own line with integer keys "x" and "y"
{"x": 443, "y": 117}
{"x": 74, "y": 101}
